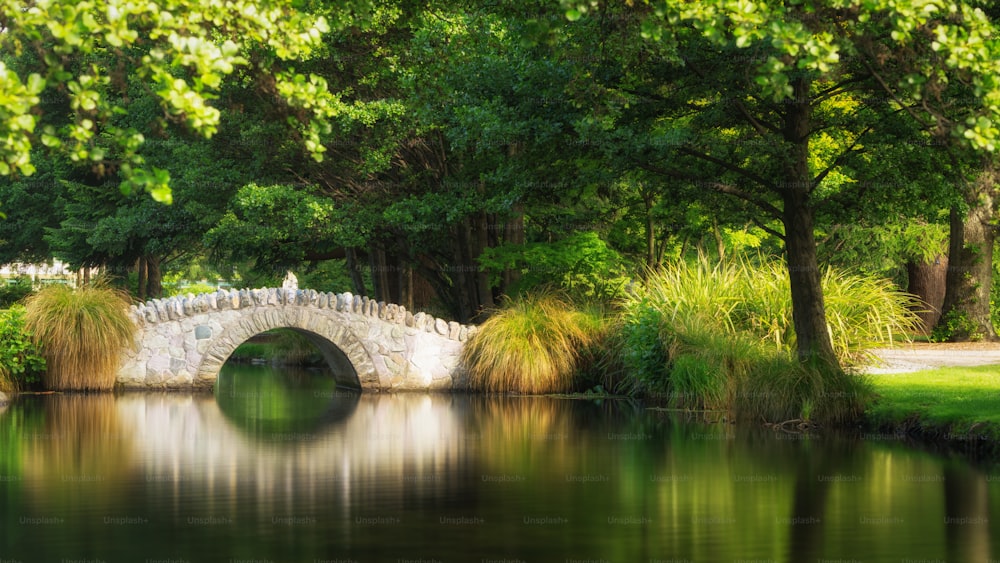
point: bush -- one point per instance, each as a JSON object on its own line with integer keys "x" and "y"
{"x": 11, "y": 293}
{"x": 956, "y": 325}
{"x": 581, "y": 265}
{"x": 81, "y": 333}
{"x": 21, "y": 364}
{"x": 174, "y": 290}
{"x": 280, "y": 346}
{"x": 641, "y": 355}
{"x": 781, "y": 388}
{"x": 536, "y": 344}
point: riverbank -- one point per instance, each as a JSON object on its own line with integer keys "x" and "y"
{"x": 955, "y": 407}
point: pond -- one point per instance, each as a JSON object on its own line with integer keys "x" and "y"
{"x": 280, "y": 466}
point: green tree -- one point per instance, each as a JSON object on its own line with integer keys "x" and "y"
{"x": 79, "y": 57}
{"x": 460, "y": 128}
{"x": 767, "y": 98}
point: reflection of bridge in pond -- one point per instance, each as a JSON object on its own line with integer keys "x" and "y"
{"x": 183, "y": 341}
{"x": 187, "y": 438}
{"x": 423, "y": 458}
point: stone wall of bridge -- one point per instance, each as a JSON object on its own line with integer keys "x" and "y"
{"x": 183, "y": 341}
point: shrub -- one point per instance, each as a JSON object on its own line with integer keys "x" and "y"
{"x": 11, "y": 293}
{"x": 956, "y": 325}
{"x": 581, "y": 265}
{"x": 280, "y": 346}
{"x": 706, "y": 365}
{"x": 21, "y": 364}
{"x": 173, "y": 290}
{"x": 641, "y": 356}
{"x": 536, "y": 344}
{"x": 82, "y": 333}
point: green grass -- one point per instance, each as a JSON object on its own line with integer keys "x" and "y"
{"x": 948, "y": 403}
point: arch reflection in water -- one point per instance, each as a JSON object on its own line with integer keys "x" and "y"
{"x": 271, "y": 403}
{"x": 467, "y": 478}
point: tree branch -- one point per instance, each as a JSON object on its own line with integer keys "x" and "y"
{"x": 837, "y": 89}
{"x": 894, "y": 97}
{"x": 766, "y": 229}
{"x": 762, "y": 127}
{"x": 838, "y": 161}
{"x": 729, "y": 166}
{"x": 717, "y": 186}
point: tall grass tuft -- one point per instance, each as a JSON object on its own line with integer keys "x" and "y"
{"x": 536, "y": 344}
{"x": 755, "y": 298}
{"x": 720, "y": 337}
{"x": 781, "y": 388}
{"x": 81, "y": 333}
{"x": 6, "y": 381}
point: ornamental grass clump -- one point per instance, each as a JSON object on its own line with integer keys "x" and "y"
{"x": 81, "y": 333}
{"x": 755, "y": 298}
{"x": 536, "y": 344}
{"x": 721, "y": 337}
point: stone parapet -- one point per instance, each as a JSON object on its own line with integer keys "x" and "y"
{"x": 183, "y": 341}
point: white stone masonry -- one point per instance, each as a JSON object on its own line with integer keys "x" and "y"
{"x": 183, "y": 341}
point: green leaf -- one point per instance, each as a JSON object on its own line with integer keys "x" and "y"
{"x": 35, "y": 83}
{"x": 162, "y": 194}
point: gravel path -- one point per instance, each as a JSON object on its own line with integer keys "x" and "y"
{"x": 920, "y": 356}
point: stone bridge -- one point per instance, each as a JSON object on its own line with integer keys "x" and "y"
{"x": 183, "y": 341}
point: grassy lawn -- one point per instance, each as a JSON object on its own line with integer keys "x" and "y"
{"x": 961, "y": 403}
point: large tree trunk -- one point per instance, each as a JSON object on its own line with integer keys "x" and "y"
{"x": 480, "y": 226}
{"x": 377, "y": 263}
{"x": 141, "y": 272}
{"x": 154, "y": 278}
{"x": 966, "y": 308}
{"x": 405, "y": 286}
{"x": 926, "y": 280}
{"x": 463, "y": 298}
{"x": 808, "y": 311}
{"x": 812, "y": 336}
{"x": 513, "y": 234}
{"x": 357, "y": 279}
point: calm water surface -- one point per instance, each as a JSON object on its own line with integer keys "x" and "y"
{"x": 283, "y": 467}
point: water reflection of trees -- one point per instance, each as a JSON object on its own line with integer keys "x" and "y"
{"x": 966, "y": 513}
{"x": 264, "y": 402}
{"x": 706, "y": 492}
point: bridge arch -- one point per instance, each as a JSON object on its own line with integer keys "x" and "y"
{"x": 342, "y": 350}
{"x": 182, "y": 342}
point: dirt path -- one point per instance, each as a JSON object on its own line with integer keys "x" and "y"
{"x": 919, "y": 356}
